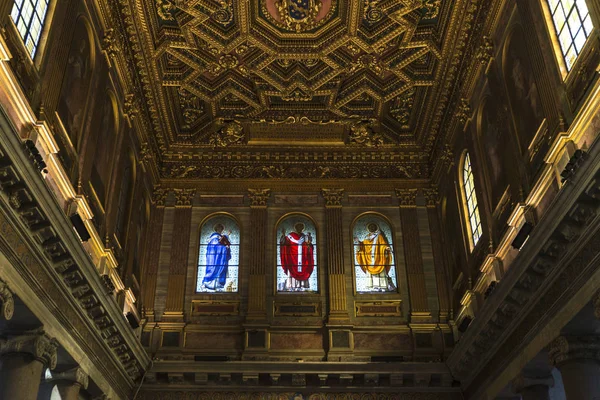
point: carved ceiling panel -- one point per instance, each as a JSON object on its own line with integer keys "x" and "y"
{"x": 254, "y": 74}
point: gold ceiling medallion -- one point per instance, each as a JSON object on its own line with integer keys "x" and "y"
{"x": 298, "y": 15}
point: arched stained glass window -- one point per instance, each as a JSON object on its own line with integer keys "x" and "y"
{"x": 374, "y": 262}
{"x": 28, "y": 16}
{"x": 470, "y": 200}
{"x": 573, "y": 26}
{"x": 219, "y": 255}
{"x": 297, "y": 254}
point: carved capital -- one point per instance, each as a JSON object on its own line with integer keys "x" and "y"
{"x": 36, "y": 343}
{"x": 7, "y": 302}
{"x": 76, "y": 376}
{"x": 432, "y": 196}
{"x": 258, "y": 197}
{"x": 333, "y": 197}
{"x": 568, "y": 348}
{"x": 184, "y": 197}
{"x": 159, "y": 196}
{"x": 407, "y": 197}
{"x": 523, "y": 382}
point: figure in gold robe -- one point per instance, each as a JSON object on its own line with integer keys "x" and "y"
{"x": 374, "y": 256}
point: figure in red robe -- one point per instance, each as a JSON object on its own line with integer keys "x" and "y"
{"x": 297, "y": 257}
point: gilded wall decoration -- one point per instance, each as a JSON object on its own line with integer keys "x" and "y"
{"x": 229, "y": 133}
{"x": 363, "y": 134}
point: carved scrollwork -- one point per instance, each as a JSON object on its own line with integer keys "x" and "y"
{"x": 7, "y": 301}
{"x": 184, "y": 197}
{"x": 36, "y": 343}
{"x": 224, "y": 15}
{"x": 407, "y": 197}
{"x": 373, "y": 13}
{"x": 402, "y": 107}
{"x": 165, "y": 9}
{"x": 432, "y": 8}
{"x": 191, "y": 107}
{"x": 159, "y": 195}
{"x": 230, "y": 133}
{"x": 362, "y": 134}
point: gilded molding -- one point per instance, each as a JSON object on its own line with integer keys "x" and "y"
{"x": 333, "y": 197}
{"x": 36, "y": 343}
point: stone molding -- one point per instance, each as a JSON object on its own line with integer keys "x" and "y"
{"x": 258, "y": 197}
{"x": 24, "y": 191}
{"x": 75, "y": 376}
{"x": 556, "y": 235}
{"x": 569, "y": 348}
{"x": 333, "y": 197}
{"x": 7, "y": 301}
{"x": 36, "y": 343}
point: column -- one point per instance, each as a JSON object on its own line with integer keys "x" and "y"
{"x": 578, "y": 360}
{"x": 414, "y": 259}
{"x": 338, "y": 308}
{"x": 533, "y": 388}
{"x": 179, "y": 254}
{"x": 66, "y": 384}
{"x": 257, "y": 291}
{"x": 152, "y": 252}
{"x": 23, "y": 359}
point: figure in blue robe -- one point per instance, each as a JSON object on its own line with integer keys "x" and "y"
{"x": 218, "y": 254}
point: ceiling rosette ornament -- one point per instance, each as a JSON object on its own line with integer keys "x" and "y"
{"x": 299, "y": 15}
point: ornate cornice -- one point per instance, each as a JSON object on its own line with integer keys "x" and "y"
{"x": 36, "y": 343}
{"x": 333, "y": 197}
{"x": 258, "y": 197}
{"x": 7, "y": 301}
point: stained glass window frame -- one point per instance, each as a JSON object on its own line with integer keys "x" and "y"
{"x": 470, "y": 202}
{"x": 279, "y": 274}
{"x": 391, "y": 238}
{"x": 201, "y": 267}
{"x": 29, "y": 17}
{"x": 572, "y": 25}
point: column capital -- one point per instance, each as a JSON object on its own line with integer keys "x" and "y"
{"x": 567, "y": 348}
{"x": 522, "y": 382}
{"x": 7, "y": 302}
{"x": 333, "y": 197}
{"x": 37, "y": 343}
{"x": 258, "y": 197}
{"x": 75, "y": 376}
{"x": 407, "y": 197}
{"x": 432, "y": 196}
{"x": 184, "y": 197}
{"x": 159, "y": 195}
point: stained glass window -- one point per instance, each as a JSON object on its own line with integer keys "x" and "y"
{"x": 219, "y": 256}
{"x": 374, "y": 263}
{"x": 573, "y": 26}
{"x": 470, "y": 199}
{"x": 297, "y": 255}
{"x": 28, "y": 16}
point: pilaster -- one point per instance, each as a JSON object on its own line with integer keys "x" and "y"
{"x": 257, "y": 292}
{"x": 412, "y": 252}
{"x": 179, "y": 255}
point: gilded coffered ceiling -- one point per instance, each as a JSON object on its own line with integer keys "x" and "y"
{"x": 366, "y": 80}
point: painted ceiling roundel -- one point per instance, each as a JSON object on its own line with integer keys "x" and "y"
{"x": 299, "y": 15}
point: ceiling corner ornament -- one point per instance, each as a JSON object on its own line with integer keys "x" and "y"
{"x": 165, "y": 9}
{"x": 362, "y": 134}
{"x": 486, "y": 51}
{"x": 230, "y": 133}
{"x": 298, "y": 15}
{"x": 463, "y": 113}
{"x": 432, "y": 8}
{"x": 191, "y": 107}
